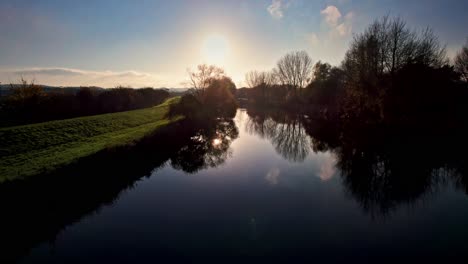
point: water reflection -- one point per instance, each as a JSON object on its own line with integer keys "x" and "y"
{"x": 285, "y": 131}
{"x": 381, "y": 170}
{"x": 37, "y": 209}
{"x": 273, "y": 175}
{"x": 208, "y": 148}
{"x": 384, "y": 170}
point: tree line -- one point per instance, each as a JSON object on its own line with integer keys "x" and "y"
{"x": 29, "y": 103}
{"x": 390, "y": 74}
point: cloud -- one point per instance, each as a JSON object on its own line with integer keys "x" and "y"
{"x": 47, "y": 71}
{"x": 332, "y": 15}
{"x": 276, "y": 8}
{"x": 339, "y": 26}
{"x": 72, "y": 77}
{"x": 343, "y": 29}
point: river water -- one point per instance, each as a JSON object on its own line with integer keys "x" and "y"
{"x": 262, "y": 187}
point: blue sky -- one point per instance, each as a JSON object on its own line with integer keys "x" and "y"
{"x": 140, "y": 43}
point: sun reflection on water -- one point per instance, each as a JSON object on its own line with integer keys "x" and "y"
{"x": 216, "y": 141}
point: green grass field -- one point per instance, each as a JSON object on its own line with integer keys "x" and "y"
{"x": 38, "y": 148}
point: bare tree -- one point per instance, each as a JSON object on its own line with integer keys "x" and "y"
{"x": 262, "y": 81}
{"x": 294, "y": 69}
{"x": 272, "y": 78}
{"x": 200, "y": 78}
{"x": 26, "y": 90}
{"x": 256, "y": 78}
{"x": 387, "y": 46}
{"x": 461, "y": 62}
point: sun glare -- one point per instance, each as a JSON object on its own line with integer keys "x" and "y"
{"x": 216, "y": 142}
{"x": 215, "y": 49}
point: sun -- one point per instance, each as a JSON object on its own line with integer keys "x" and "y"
{"x": 215, "y": 49}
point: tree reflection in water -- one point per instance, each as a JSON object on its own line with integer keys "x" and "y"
{"x": 284, "y": 131}
{"x": 209, "y": 147}
{"x": 384, "y": 170}
{"x": 381, "y": 169}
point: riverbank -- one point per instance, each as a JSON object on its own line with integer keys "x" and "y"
{"x": 40, "y": 148}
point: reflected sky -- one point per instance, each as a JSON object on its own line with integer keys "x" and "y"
{"x": 257, "y": 202}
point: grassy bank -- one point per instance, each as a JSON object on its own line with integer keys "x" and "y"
{"x": 39, "y": 148}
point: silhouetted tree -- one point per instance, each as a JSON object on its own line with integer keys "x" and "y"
{"x": 376, "y": 56}
{"x": 26, "y": 93}
{"x": 200, "y": 78}
{"x": 325, "y": 91}
{"x": 261, "y": 82}
{"x": 213, "y": 91}
{"x": 218, "y": 98}
{"x": 461, "y": 62}
{"x": 294, "y": 70}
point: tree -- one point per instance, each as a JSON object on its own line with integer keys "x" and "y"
{"x": 200, "y": 78}
{"x": 294, "y": 70}
{"x": 376, "y": 56}
{"x": 325, "y": 90}
{"x": 256, "y": 78}
{"x": 261, "y": 81}
{"x": 25, "y": 91}
{"x": 218, "y": 99}
{"x": 461, "y": 62}
{"x": 387, "y": 46}
{"x": 321, "y": 71}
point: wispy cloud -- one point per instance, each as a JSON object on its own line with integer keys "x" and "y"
{"x": 276, "y": 9}
{"x": 70, "y": 76}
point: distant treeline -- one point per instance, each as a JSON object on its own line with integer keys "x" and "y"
{"x": 29, "y": 103}
{"x": 390, "y": 75}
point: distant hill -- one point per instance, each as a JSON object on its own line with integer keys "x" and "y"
{"x": 5, "y": 89}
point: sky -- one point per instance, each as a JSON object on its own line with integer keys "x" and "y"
{"x": 141, "y": 43}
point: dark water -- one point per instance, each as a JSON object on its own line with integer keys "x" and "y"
{"x": 260, "y": 187}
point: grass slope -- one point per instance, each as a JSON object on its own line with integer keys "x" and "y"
{"x": 32, "y": 149}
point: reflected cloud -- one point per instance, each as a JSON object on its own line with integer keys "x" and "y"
{"x": 273, "y": 176}
{"x": 327, "y": 168}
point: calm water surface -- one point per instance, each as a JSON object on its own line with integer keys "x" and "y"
{"x": 258, "y": 189}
